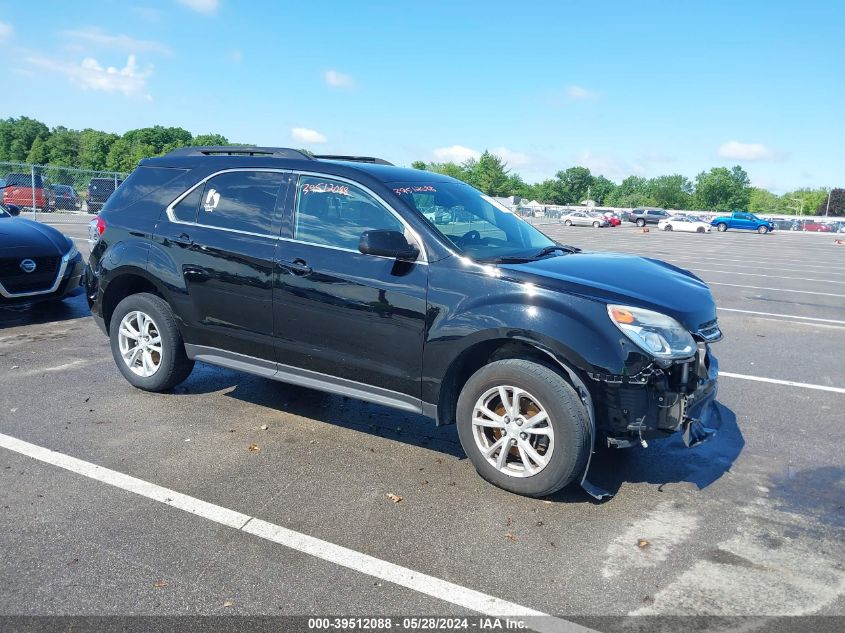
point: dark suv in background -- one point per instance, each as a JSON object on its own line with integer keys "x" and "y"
{"x": 99, "y": 191}
{"x": 644, "y": 216}
{"x": 334, "y": 273}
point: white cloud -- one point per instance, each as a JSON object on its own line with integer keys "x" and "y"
{"x": 337, "y": 79}
{"x": 455, "y": 154}
{"x": 306, "y": 135}
{"x": 512, "y": 158}
{"x": 96, "y": 35}
{"x": 90, "y": 75}
{"x": 745, "y": 151}
{"x": 201, "y": 6}
{"x": 579, "y": 93}
{"x": 6, "y": 31}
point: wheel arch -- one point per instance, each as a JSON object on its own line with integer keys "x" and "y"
{"x": 123, "y": 282}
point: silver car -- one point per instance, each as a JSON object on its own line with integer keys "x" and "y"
{"x": 582, "y": 218}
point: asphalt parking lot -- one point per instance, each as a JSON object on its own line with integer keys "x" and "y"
{"x": 751, "y": 523}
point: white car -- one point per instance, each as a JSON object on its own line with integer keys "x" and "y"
{"x": 581, "y": 218}
{"x": 682, "y": 223}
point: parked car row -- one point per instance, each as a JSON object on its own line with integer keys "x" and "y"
{"x": 25, "y": 190}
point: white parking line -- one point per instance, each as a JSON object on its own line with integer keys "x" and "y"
{"x": 788, "y": 383}
{"x": 806, "y": 292}
{"x": 786, "y": 316}
{"x": 734, "y": 272}
{"x": 336, "y": 554}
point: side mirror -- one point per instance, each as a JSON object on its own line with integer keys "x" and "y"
{"x": 13, "y": 209}
{"x": 387, "y": 244}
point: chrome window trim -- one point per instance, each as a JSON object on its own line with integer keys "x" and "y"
{"x": 189, "y": 191}
{"x": 423, "y": 259}
{"x": 59, "y": 276}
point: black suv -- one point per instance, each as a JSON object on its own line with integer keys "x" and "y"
{"x": 332, "y": 273}
{"x": 99, "y": 191}
{"x": 647, "y": 216}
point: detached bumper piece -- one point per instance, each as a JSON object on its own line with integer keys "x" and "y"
{"x": 659, "y": 401}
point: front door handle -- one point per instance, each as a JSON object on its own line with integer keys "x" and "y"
{"x": 297, "y": 267}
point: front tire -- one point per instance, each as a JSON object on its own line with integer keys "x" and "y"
{"x": 524, "y": 427}
{"x": 146, "y": 343}
{"x": 640, "y": 223}
{"x": 722, "y": 227}
{"x": 567, "y": 222}
{"x": 668, "y": 227}
{"x": 596, "y": 225}
{"x": 762, "y": 230}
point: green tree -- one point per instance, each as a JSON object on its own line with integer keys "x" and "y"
{"x": 722, "y": 189}
{"x": 63, "y": 147}
{"x": 210, "y": 139}
{"x": 18, "y": 135}
{"x": 763, "y": 201}
{"x": 574, "y": 185}
{"x": 38, "y": 152}
{"x": 670, "y": 192}
{"x": 94, "y": 148}
{"x": 632, "y": 192}
{"x": 418, "y": 164}
{"x": 804, "y": 201}
{"x": 489, "y": 174}
{"x": 601, "y": 189}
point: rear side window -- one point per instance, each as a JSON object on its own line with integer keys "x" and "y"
{"x": 241, "y": 201}
{"x": 140, "y": 183}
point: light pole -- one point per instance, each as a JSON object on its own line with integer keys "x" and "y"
{"x": 801, "y": 208}
{"x": 827, "y": 208}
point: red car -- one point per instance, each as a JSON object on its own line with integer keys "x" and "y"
{"x": 20, "y": 192}
{"x": 819, "y": 227}
{"x": 612, "y": 219}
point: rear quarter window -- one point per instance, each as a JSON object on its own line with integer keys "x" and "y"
{"x": 141, "y": 183}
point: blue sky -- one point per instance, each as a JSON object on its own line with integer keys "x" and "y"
{"x": 622, "y": 87}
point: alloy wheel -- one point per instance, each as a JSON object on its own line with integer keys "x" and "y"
{"x": 139, "y": 340}
{"x": 513, "y": 431}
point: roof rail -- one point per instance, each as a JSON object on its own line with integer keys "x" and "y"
{"x": 354, "y": 159}
{"x": 239, "y": 150}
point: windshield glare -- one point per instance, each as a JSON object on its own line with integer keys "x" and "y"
{"x": 475, "y": 224}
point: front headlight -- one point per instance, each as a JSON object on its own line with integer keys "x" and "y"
{"x": 73, "y": 252}
{"x": 657, "y": 334}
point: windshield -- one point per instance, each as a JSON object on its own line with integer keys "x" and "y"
{"x": 476, "y": 224}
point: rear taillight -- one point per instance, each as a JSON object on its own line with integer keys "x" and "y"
{"x": 101, "y": 225}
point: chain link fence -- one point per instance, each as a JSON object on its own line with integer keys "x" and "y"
{"x": 50, "y": 189}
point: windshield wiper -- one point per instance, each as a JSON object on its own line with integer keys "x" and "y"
{"x": 557, "y": 247}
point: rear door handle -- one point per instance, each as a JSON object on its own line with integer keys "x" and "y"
{"x": 297, "y": 266}
{"x": 184, "y": 239}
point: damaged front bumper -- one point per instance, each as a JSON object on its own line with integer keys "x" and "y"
{"x": 657, "y": 402}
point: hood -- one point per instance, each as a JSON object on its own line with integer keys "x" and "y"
{"x": 625, "y": 279}
{"x": 19, "y": 236}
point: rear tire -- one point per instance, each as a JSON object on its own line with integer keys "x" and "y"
{"x": 640, "y": 223}
{"x": 557, "y": 446}
{"x": 171, "y": 365}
